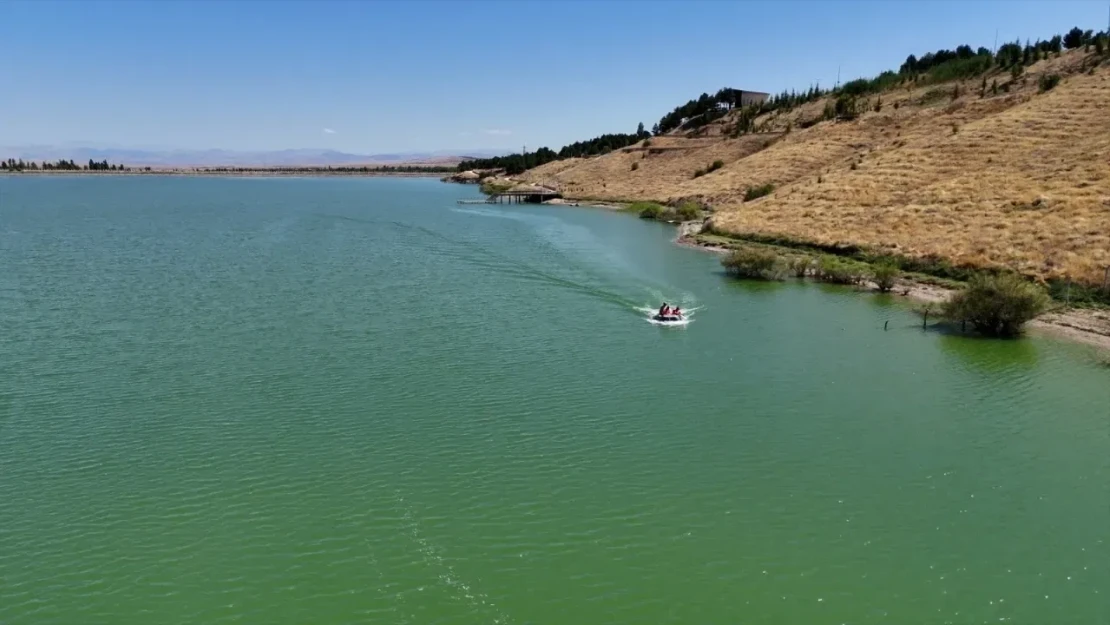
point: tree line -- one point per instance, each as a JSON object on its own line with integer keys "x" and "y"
{"x": 932, "y": 67}
{"x": 69, "y": 165}
{"x": 517, "y": 163}
{"x": 60, "y": 165}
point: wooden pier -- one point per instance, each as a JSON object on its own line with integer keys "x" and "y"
{"x": 520, "y": 194}
{"x": 525, "y": 194}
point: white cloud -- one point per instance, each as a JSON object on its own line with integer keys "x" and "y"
{"x": 498, "y": 132}
{"x": 329, "y": 131}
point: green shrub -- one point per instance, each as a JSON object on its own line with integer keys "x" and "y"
{"x": 754, "y": 264}
{"x": 688, "y": 211}
{"x": 997, "y": 305}
{"x": 1048, "y": 81}
{"x": 492, "y": 187}
{"x": 935, "y": 95}
{"x": 885, "y": 276}
{"x": 847, "y": 107}
{"x": 754, "y": 193}
{"x": 800, "y": 266}
{"x": 710, "y": 168}
{"x": 836, "y": 271}
{"x": 958, "y": 69}
{"x": 646, "y": 210}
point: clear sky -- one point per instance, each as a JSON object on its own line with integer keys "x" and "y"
{"x": 372, "y": 76}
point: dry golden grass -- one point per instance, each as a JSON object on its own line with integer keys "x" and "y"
{"x": 1019, "y": 180}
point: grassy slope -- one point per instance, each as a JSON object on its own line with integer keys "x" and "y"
{"x": 1020, "y": 180}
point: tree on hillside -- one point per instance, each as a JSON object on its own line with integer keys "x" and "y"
{"x": 640, "y": 130}
{"x": 1009, "y": 54}
{"x": 910, "y": 66}
{"x": 1075, "y": 38}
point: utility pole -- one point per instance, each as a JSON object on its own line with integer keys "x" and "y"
{"x": 995, "y": 51}
{"x": 837, "y": 78}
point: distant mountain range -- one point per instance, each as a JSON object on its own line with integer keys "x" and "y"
{"x": 197, "y": 158}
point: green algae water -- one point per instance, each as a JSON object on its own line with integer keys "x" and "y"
{"x": 340, "y": 401}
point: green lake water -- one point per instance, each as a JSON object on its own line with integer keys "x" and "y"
{"x": 337, "y": 401}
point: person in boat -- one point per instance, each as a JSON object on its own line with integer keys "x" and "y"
{"x": 664, "y": 310}
{"x": 677, "y": 312}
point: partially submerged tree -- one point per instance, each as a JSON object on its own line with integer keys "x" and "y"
{"x": 997, "y": 305}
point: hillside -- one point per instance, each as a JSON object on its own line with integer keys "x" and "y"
{"x": 1017, "y": 176}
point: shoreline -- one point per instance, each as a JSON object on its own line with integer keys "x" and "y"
{"x": 257, "y": 173}
{"x": 1080, "y": 325}
{"x": 1087, "y": 326}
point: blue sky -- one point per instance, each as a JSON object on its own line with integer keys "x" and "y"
{"x": 372, "y": 76}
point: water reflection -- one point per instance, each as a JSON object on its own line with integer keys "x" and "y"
{"x": 985, "y": 354}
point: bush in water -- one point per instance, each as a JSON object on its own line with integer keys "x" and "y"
{"x": 646, "y": 210}
{"x": 997, "y": 305}
{"x": 755, "y": 264}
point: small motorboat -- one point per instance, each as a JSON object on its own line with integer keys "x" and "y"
{"x": 671, "y": 318}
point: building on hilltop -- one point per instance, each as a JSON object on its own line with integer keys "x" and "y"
{"x": 742, "y": 98}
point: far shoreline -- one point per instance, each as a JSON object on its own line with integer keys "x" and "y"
{"x": 250, "y": 173}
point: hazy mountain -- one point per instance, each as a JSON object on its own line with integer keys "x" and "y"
{"x": 173, "y": 157}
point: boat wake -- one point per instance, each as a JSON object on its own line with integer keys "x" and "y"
{"x": 575, "y": 277}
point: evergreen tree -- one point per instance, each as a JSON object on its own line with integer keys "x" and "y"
{"x": 4, "y": 165}
{"x": 1074, "y": 38}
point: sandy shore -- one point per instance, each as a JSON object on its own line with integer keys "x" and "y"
{"x": 1083, "y": 325}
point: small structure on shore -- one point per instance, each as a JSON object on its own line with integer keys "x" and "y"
{"x": 526, "y": 193}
